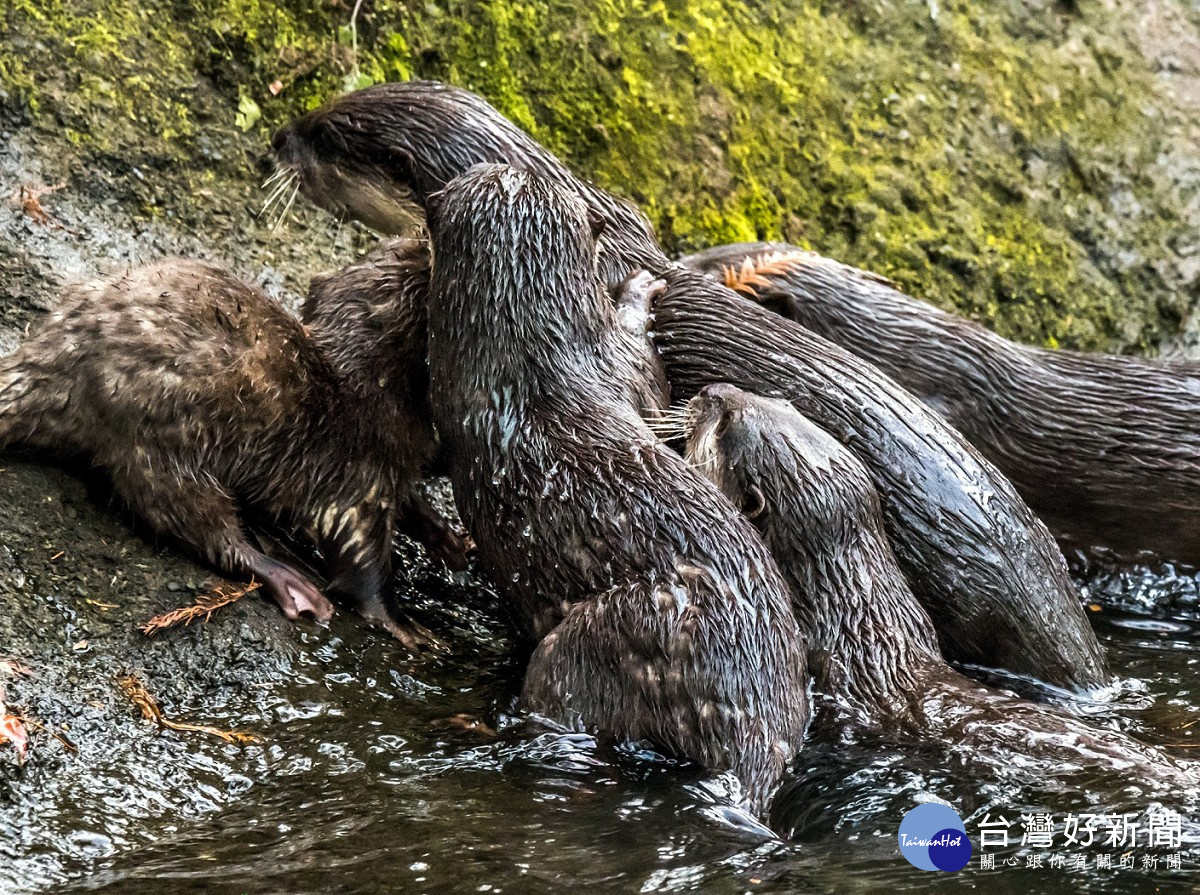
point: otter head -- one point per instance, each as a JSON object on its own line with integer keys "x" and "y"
{"x": 378, "y": 154}
{"x": 784, "y": 472}
{"x": 515, "y": 279}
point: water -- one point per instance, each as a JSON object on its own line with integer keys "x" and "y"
{"x": 371, "y": 779}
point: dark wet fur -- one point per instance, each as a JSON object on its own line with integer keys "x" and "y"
{"x": 1106, "y": 449}
{"x": 984, "y": 567}
{"x": 392, "y": 140}
{"x": 200, "y": 396}
{"x": 987, "y": 570}
{"x": 371, "y": 317}
{"x": 664, "y": 618}
{"x": 872, "y": 648}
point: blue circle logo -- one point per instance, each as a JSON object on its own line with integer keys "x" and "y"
{"x": 932, "y": 837}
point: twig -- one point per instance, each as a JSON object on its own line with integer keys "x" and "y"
{"x": 148, "y": 705}
{"x": 755, "y": 269}
{"x": 29, "y": 198}
{"x": 38, "y": 725}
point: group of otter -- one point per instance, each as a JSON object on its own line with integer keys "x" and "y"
{"x": 739, "y": 501}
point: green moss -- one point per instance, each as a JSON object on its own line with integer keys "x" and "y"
{"x": 992, "y": 158}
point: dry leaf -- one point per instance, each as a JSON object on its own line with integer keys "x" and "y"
{"x": 12, "y": 730}
{"x": 29, "y": 197}
{"x": 13, "y": 668}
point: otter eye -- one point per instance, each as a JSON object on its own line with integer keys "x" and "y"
{"x": 755, "y": 503}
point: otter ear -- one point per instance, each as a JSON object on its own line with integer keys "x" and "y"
{"x": 755, "y": 503}
{"x": 596, "y": 222}
{"x": 401, "y": 162}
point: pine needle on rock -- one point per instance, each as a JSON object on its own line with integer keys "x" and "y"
{"x": 218, "y": 598}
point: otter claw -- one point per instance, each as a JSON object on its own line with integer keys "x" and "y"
{"x": 413, "y": 635}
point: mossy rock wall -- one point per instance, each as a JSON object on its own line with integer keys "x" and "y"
{"x": 1012, "y": 160}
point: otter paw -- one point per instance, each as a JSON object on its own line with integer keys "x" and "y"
{"x": 635, "y": 298}
{"x": 453, "y": 549}
{"x": 296, "y": 595}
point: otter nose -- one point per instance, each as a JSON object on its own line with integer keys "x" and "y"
{"x": 279, "y": 139}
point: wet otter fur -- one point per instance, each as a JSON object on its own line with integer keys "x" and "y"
{"x": 662, "y": 616}
{"x": 201, "y": 398}
{"x": 1105, "y": 449}
{"x": 371, "y": 318}
{"x": 377, "y": 154}
{"x": 986, "y": 568}
{"x": 873, "y": 652}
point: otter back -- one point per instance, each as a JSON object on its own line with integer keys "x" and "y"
{"x": 984, "y": 567}
{"x": 1105, "y": 449}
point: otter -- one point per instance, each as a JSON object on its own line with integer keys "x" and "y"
{"x": 1105, "y": 449}
{"x": 201, "y": 398}
{"x": 660, "y": 614}
{"x": 873, "y": 653}
{"x": 991, "y": 575}
{"x": 378, "y": 154}
{"x": 371, "y": 319}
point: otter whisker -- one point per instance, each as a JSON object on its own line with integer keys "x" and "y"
{"x": 290, "y": 181}
{"x": 274, "y": 177}
{"x": 677, "y": 411}
{"x": 277, "y": 183}
{"x": 274, "y": 197}
{"x": 288, "y": 207}
{"x": 668, "y": 423}
{"x": 668, "y": 433}
{"x": 282, "y": 191}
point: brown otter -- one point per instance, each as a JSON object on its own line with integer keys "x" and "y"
{"x": 371, "y": 321}
{"x": 201, "y": 397}
{"x": 663, "y": 616}
{"x": 872, "y": 648}
{"x": 986, "y": 568}
{"x": 376, "y": 155}
{"x": 1105, "y": 449}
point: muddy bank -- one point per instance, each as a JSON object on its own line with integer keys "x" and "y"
{"x": 75, "y": 582}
